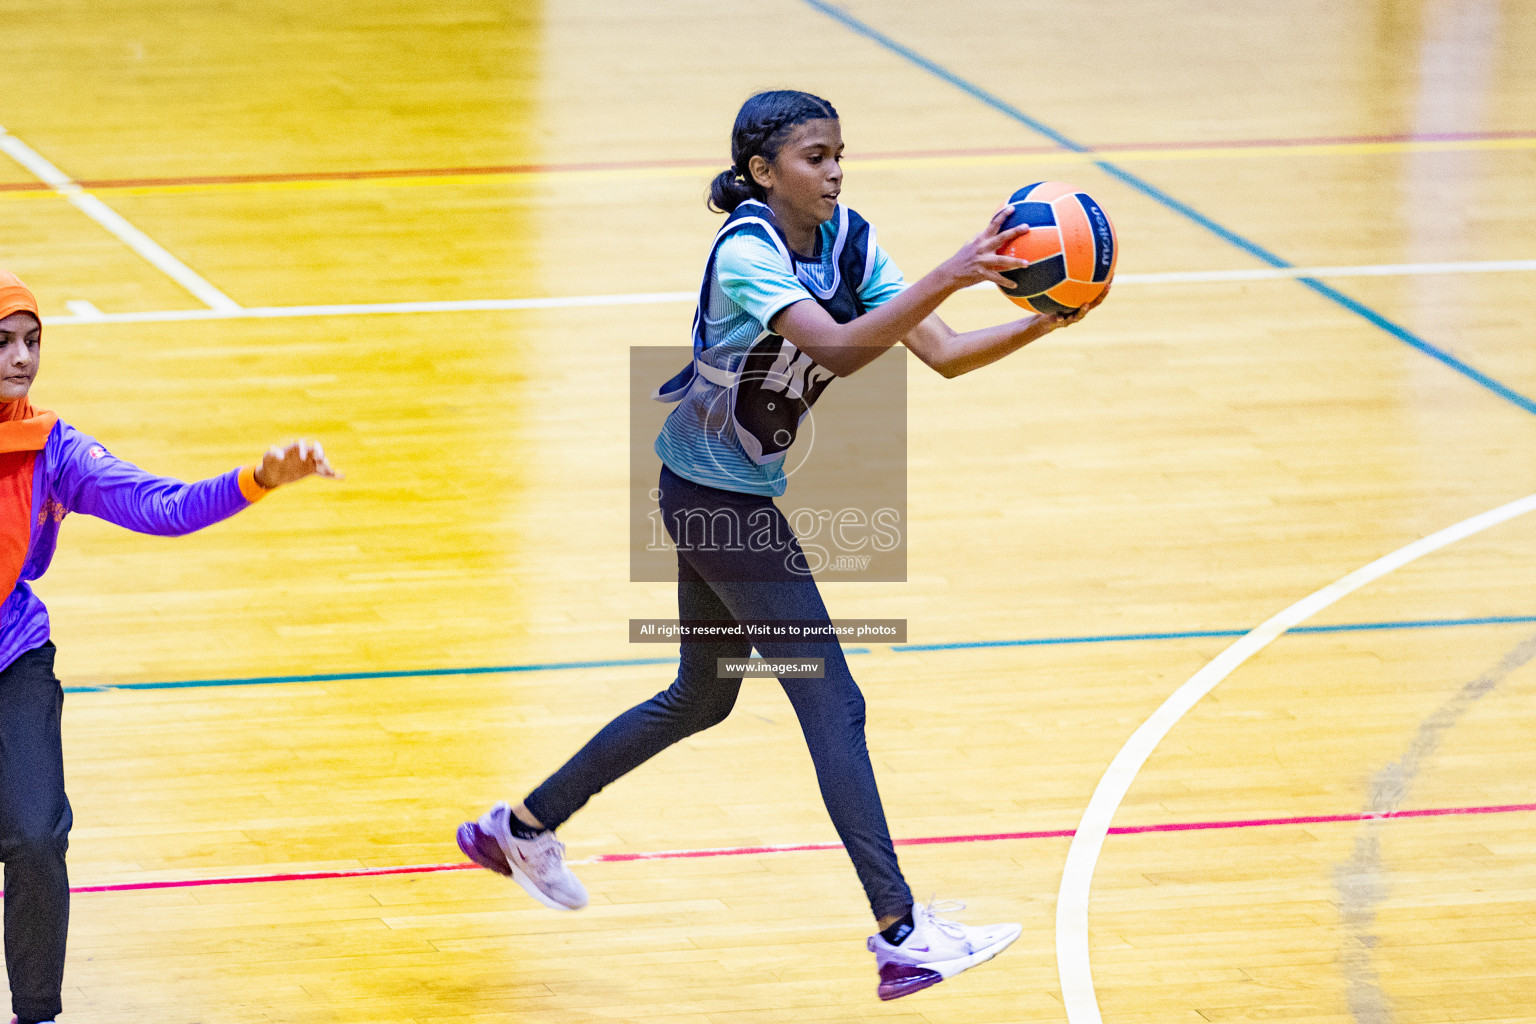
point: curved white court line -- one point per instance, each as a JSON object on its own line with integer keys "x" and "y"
{"x": 1072, "y": 962}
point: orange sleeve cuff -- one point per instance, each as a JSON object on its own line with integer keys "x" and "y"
{"x": 249, "y": 488}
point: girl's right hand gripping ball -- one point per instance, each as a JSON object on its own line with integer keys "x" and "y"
{"x": 1070, "y": 247}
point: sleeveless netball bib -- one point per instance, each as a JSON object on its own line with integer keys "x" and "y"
{"x": 772, "y": 385}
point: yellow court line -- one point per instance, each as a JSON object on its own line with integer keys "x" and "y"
{"x": 504, "y": 178}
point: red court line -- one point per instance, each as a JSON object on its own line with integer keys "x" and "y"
{"x": 1128, "y": 147}
{"x": 1320, "y": 819}
{"x": 634, "y": 165}
{"x": 1320, "y": 140}
{"x": 359, "y": 175}
{"x": 749, "y": 851}
{"x": 295, "y": 876}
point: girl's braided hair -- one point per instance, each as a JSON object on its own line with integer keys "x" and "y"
{"x": 762, "y": 125}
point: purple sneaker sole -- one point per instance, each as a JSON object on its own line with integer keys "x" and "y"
{"x": 897, "y": 980}
{"x": 482, "y": 848}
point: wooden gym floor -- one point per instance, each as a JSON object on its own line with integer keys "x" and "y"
{"x": 1092, "y": 522}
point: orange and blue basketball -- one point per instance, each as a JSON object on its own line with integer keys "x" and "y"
{"x": 1070, "y": 247}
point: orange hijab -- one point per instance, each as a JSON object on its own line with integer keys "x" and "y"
{"x": 22, "y": 428}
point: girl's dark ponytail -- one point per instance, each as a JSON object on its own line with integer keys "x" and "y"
{"x": 762, "y": 125}
{"x": 728, "y": 191}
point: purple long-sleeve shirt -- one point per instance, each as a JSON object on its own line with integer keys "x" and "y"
{"x": 73, "y": 473}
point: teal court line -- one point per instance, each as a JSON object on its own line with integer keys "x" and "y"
{"x": 565, "y": 666}
{"x": 1167, "y": 200}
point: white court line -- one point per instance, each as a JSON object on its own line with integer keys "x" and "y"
{"x": 83, "y": 309}
{"x": 1072, "y": 962}
{"x": 1370, "y": 270}
{"x": 364, "y": 308}
{"x": 653, "y": 298}
{"x": 110, "y": 219}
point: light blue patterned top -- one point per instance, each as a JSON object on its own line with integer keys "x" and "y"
{"x": 752, "y": 283}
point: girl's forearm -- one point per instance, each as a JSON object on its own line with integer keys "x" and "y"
{"x": 887, "y": 325}
{"x": 962, "y": 353}
{"x": 844, "y": 348}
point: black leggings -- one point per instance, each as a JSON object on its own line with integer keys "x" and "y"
{"x": 34, "y": 833}
{"x": 716, "y": 582}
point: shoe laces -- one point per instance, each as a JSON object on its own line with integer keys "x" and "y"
{"x": 547, "y": 852}
{"x": 934, "y": 907}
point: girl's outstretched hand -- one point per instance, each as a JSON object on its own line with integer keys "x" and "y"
{"x": 978, "y": 260}
{"x": 1054, "y": 322}
{"x": 283, "y": 465}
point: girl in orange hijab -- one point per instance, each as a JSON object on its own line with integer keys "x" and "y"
{"x": 47, "y": 470}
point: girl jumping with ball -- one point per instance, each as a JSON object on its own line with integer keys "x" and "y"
{"x": 47, "y": 470}
{"x": 796, "y": 292}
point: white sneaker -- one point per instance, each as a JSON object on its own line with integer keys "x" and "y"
{"x": 936, "y": 949}
{"x": 537, "y": 864}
